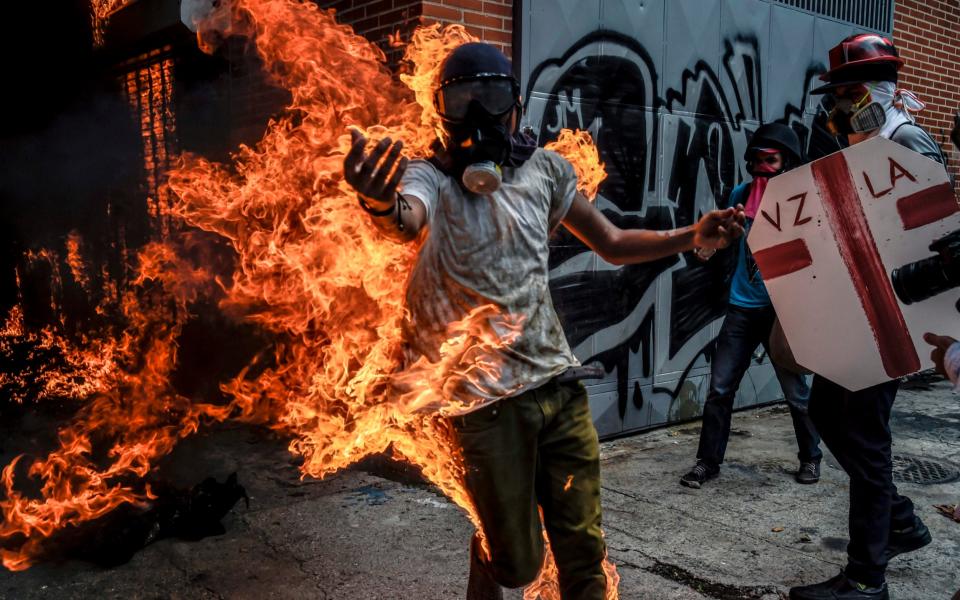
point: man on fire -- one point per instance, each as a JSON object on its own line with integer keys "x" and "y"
{"x": 489, "y": 199}
{"x": 862, "y": 83}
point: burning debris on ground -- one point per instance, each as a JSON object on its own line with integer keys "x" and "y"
{"x": 187, "y": 514}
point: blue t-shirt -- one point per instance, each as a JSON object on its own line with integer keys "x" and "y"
{"x": 746, "y": 288}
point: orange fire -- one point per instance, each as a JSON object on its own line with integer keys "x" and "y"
{"x": 51, "y": 365}
{"x": 100, "y": 11}
{"x": 310, "y": 270}
{"x": 578, "y": 147}
{"x": 131, "y": 417}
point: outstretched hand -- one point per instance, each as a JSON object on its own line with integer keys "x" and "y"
{"x": 370, "y": 174}
{"x": 940, "y": 344}
{"x": 718, "y": 228}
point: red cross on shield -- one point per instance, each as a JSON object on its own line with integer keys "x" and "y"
{"x": 826, "y": 239}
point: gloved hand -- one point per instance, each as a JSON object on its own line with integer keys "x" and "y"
{"x": 369, "y": 176}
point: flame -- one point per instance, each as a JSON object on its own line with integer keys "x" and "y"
{"x": 75, "y": 261}
{"x": 310, "y": 270}
{"x": 577, "y": 147}
{"x": 45, "y": 364}
{"x": 132, "y": 417}
{"x": 100, "y": 11}
{"x": 547, "y": 587}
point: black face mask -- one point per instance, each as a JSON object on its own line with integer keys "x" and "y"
{"x": 480, "y": 145}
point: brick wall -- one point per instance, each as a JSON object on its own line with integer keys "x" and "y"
{"x": 489, "y": 20}
{"x": 378, "y": 19}
{"x": 926, "y": 35}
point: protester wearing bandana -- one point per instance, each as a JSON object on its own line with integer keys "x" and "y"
{"x": 484, "y": 207}
{"x": 750, "y": 318}
{"x": 862, "y": 85}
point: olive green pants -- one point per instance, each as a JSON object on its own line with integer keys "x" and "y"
{"x": 539, "y": 447}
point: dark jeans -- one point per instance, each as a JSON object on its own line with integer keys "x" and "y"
{"x": 856, "y": 429}
{"x": 742, "y": 331}
{"x": 539, "y": 447}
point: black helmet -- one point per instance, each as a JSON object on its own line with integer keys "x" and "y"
{"x": 475, "y": 73}
{"x": 474, "y": 60}
{"x": 777, "y": 136}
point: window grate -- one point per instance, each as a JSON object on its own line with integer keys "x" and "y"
{"x": 148, "y": 85}
{"x": 869, "y": 14}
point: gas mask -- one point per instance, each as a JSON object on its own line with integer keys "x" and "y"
{"x": 476, "y": 115}
{"x": 856, "y": 116}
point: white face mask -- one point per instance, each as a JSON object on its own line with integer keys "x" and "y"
{"x": 897, "y": 105}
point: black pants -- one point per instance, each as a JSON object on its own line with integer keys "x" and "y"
{"x": 743, "y": 330}
{"x": 538, "y": 449}
{"x": 856, "y": 428}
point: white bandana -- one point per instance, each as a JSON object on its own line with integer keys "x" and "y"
{"x": 897, "y": 104}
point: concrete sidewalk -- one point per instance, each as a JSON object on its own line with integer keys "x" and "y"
{"x": 374, "y": 534}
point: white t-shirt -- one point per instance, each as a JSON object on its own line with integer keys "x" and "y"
{"x": 491, "y": 249}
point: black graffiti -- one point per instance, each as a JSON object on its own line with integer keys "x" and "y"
{"x": 613, "y": 94}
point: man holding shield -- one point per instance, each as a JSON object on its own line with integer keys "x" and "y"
{"x": 862, "y": 82}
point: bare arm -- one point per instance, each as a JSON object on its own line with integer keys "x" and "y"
{"x": 627, "y": 246}
{"x": 375, "y": 177}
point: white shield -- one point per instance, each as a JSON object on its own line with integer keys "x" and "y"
{"x": 827, "y": 237}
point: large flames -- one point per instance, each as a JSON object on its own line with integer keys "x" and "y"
{"x": 310, "y": 270}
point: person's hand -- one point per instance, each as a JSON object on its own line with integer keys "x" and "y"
{"x": 718, "y": 228}
{"x": 940, "y": 344}
{"x": 369, "y": 176}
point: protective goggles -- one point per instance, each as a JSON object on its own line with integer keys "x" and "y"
{"x": 496, "y": 94}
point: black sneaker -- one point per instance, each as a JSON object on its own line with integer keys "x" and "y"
{"x": 908, "y": 539}
{"x": 839, "y": 588}
{"x": 699, "y": 475}
{"x": 809, "y": 472}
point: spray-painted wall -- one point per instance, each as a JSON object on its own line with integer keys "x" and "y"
{"x": 671, "y": 91}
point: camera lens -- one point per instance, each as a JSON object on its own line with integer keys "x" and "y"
{"x": 917, "y": 281}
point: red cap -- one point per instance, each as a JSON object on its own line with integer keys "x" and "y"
{"x": 859, "y": 58}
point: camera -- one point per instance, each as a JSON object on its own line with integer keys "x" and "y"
{"x": 925, "y": 278}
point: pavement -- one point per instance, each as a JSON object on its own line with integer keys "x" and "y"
{"x": 376, "y": 532}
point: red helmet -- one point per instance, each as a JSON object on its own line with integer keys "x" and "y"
{"x": 860, "y": 58}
